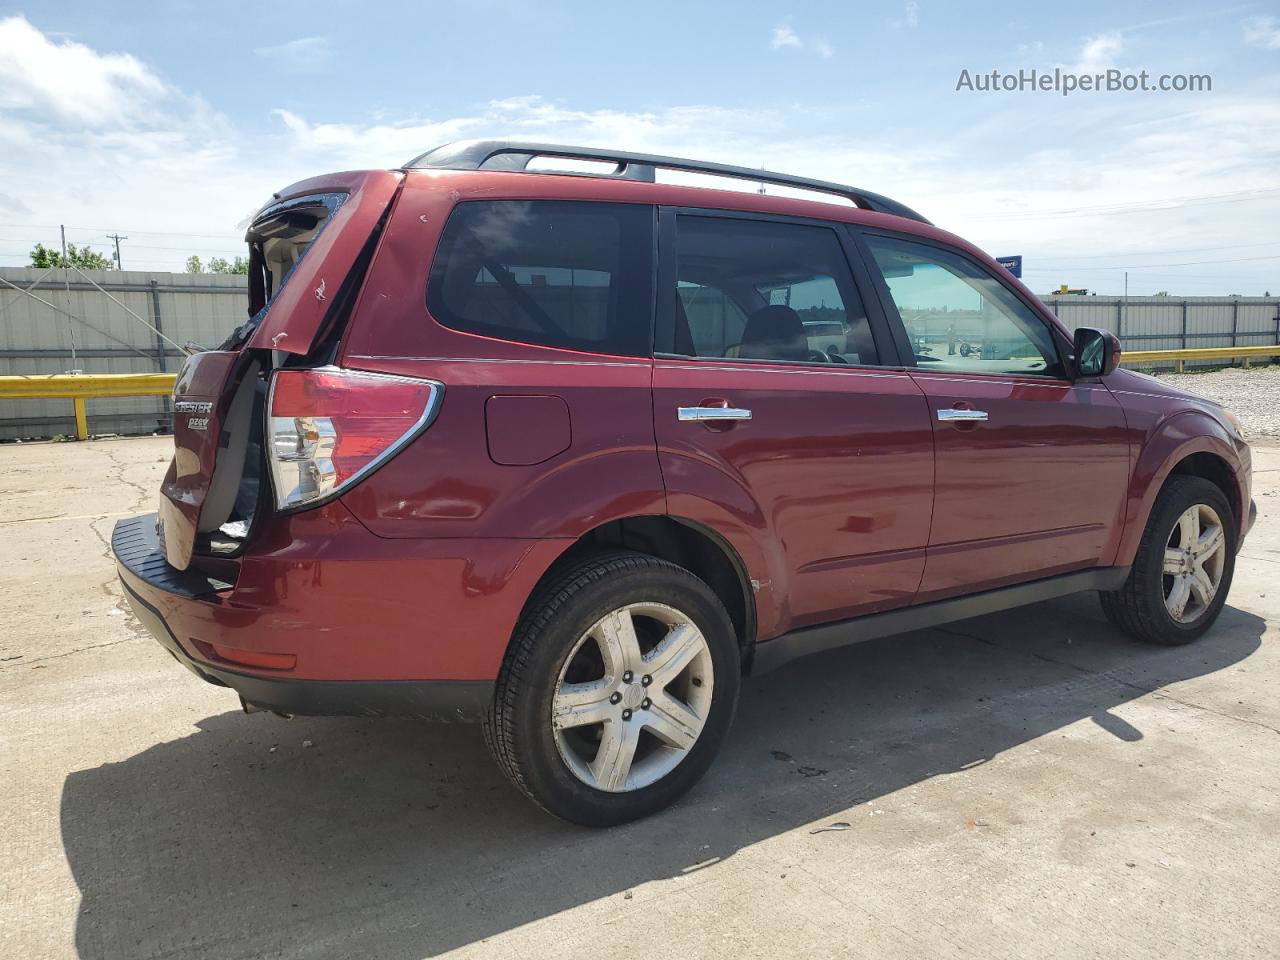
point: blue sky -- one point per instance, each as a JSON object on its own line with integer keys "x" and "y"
{"x": 172, "y": 123}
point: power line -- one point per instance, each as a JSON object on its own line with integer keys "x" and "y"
{"x": 217, "y": 251}
{"x": 1142, "y": 253}
{"x": 1139, "y": 206}
{"x": 1153, "y": 266}
{"x": 156, "y": 233}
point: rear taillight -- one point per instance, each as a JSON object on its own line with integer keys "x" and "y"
{"x": 327, "y": 428}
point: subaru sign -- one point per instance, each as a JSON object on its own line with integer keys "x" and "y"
{"x": 1012, "y": 264}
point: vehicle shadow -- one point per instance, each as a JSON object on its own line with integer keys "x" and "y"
{"x": 402, "y": 840}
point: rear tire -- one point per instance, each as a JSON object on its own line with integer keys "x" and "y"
{"x": 1167, "y": 597}
{"x": 617, "y": 690}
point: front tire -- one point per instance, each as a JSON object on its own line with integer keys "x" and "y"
{"x": 617, "y": 690}
{"x": 1182, "y": 571}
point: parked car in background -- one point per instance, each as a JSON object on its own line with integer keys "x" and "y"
{"x": 558, "y": 451}
{"x": 826, "y": 336}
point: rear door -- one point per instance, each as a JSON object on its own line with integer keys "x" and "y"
{"x": 1031, "y": 467}
{"x": 303, "y": 248}
{"x": 816, "y": 447}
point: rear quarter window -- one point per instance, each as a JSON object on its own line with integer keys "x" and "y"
{"x": 555, "y": 273}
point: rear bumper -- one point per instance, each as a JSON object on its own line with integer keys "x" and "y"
{"x": 351, "y": 623}
{"x": 439, "y": 700}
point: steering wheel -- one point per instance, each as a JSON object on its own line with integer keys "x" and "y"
{"x": 834, "y": 357}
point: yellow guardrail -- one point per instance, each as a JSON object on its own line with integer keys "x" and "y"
{"x": 1180, "y": 357}
{"x": 80, "y": 387}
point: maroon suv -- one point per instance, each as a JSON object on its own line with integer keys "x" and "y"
{"x": 569, "y": 452}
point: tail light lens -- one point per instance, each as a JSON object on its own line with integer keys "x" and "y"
{"x": 328, "y": 428}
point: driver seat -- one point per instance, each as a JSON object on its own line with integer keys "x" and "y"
{"x": 774, "y": 332}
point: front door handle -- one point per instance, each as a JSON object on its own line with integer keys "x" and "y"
{"x": 712, "y": 413}
{"x": 947, "y": 416}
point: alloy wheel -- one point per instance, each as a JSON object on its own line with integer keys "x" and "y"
{"x": 632, "y": 697}
{"x": 1194, "y": 560}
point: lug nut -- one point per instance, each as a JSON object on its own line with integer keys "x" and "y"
{"x": 646, "y": 680}
{"x": 626, "y": 677}
{"x": 644, "y": 704}
{"x": 616, "y": 698}
{"x": 626, "y": 714}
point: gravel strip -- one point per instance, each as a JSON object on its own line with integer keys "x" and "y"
{"x": 1253, "y": 395}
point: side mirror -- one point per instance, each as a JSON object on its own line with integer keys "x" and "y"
{"x": 1097, "y": 352}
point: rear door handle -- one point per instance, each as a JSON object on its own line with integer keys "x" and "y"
{"x": 712, "y": 413}
{"x": 947, "y": 416}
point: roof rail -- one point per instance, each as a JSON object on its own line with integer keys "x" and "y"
{"x": 515, "y": 156}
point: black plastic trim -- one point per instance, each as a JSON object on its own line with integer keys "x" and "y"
{"x": 441, "y": 701}
{"x": 135, "y": 542}
{"x": 828, "y": 636}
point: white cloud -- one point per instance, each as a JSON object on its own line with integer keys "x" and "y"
{"x": 1262, "y": 32}
{"x": 910, "y": 17}
{"x": 304, "y": 55}
{"x": 709, "y": 130}
{"x": 784, "y": 36}
{"x": 71, "y": 81}
{"x": 181, "y": 166}
{"x": 1100, "y": 52}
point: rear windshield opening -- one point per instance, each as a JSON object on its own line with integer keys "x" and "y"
{"x": 280, "y": 241}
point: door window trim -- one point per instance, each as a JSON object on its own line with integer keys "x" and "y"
{"x": 898, "y": 328}
{"x": 878, "y": 323}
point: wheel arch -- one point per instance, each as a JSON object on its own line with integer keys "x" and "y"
{"x": 1189, "y": 444}
{"x": 1214, "y": 468}
{"x": 689, "y": 544}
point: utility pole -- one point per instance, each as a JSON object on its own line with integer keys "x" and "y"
{"x": 66, "y": 289}
{"x": 117, "y": 238}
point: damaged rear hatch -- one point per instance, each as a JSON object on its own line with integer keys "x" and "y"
{"x": 307, "y": 248}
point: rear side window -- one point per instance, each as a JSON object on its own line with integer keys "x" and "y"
{"x": 556, "y": 273}
{"x": 767, "y": 290}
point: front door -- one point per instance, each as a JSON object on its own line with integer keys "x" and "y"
{"x": 777, "y": 414}
{"x": 1031, "y": 467}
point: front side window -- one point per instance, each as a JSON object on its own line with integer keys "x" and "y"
{"x": 764, "y": 290}
{"x": 958, "y": 316}
{"x": 556, "y": 273}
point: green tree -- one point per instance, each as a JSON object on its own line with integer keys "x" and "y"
{"x": 83, "y": 257}
{"x": 219, "y": 265}
{"x": 194, "y": 265}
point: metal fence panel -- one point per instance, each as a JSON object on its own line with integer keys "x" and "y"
{"x": 39, "y": 337}
{"x": 204, "y": 308}
{"x": 1175, "y": 323}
